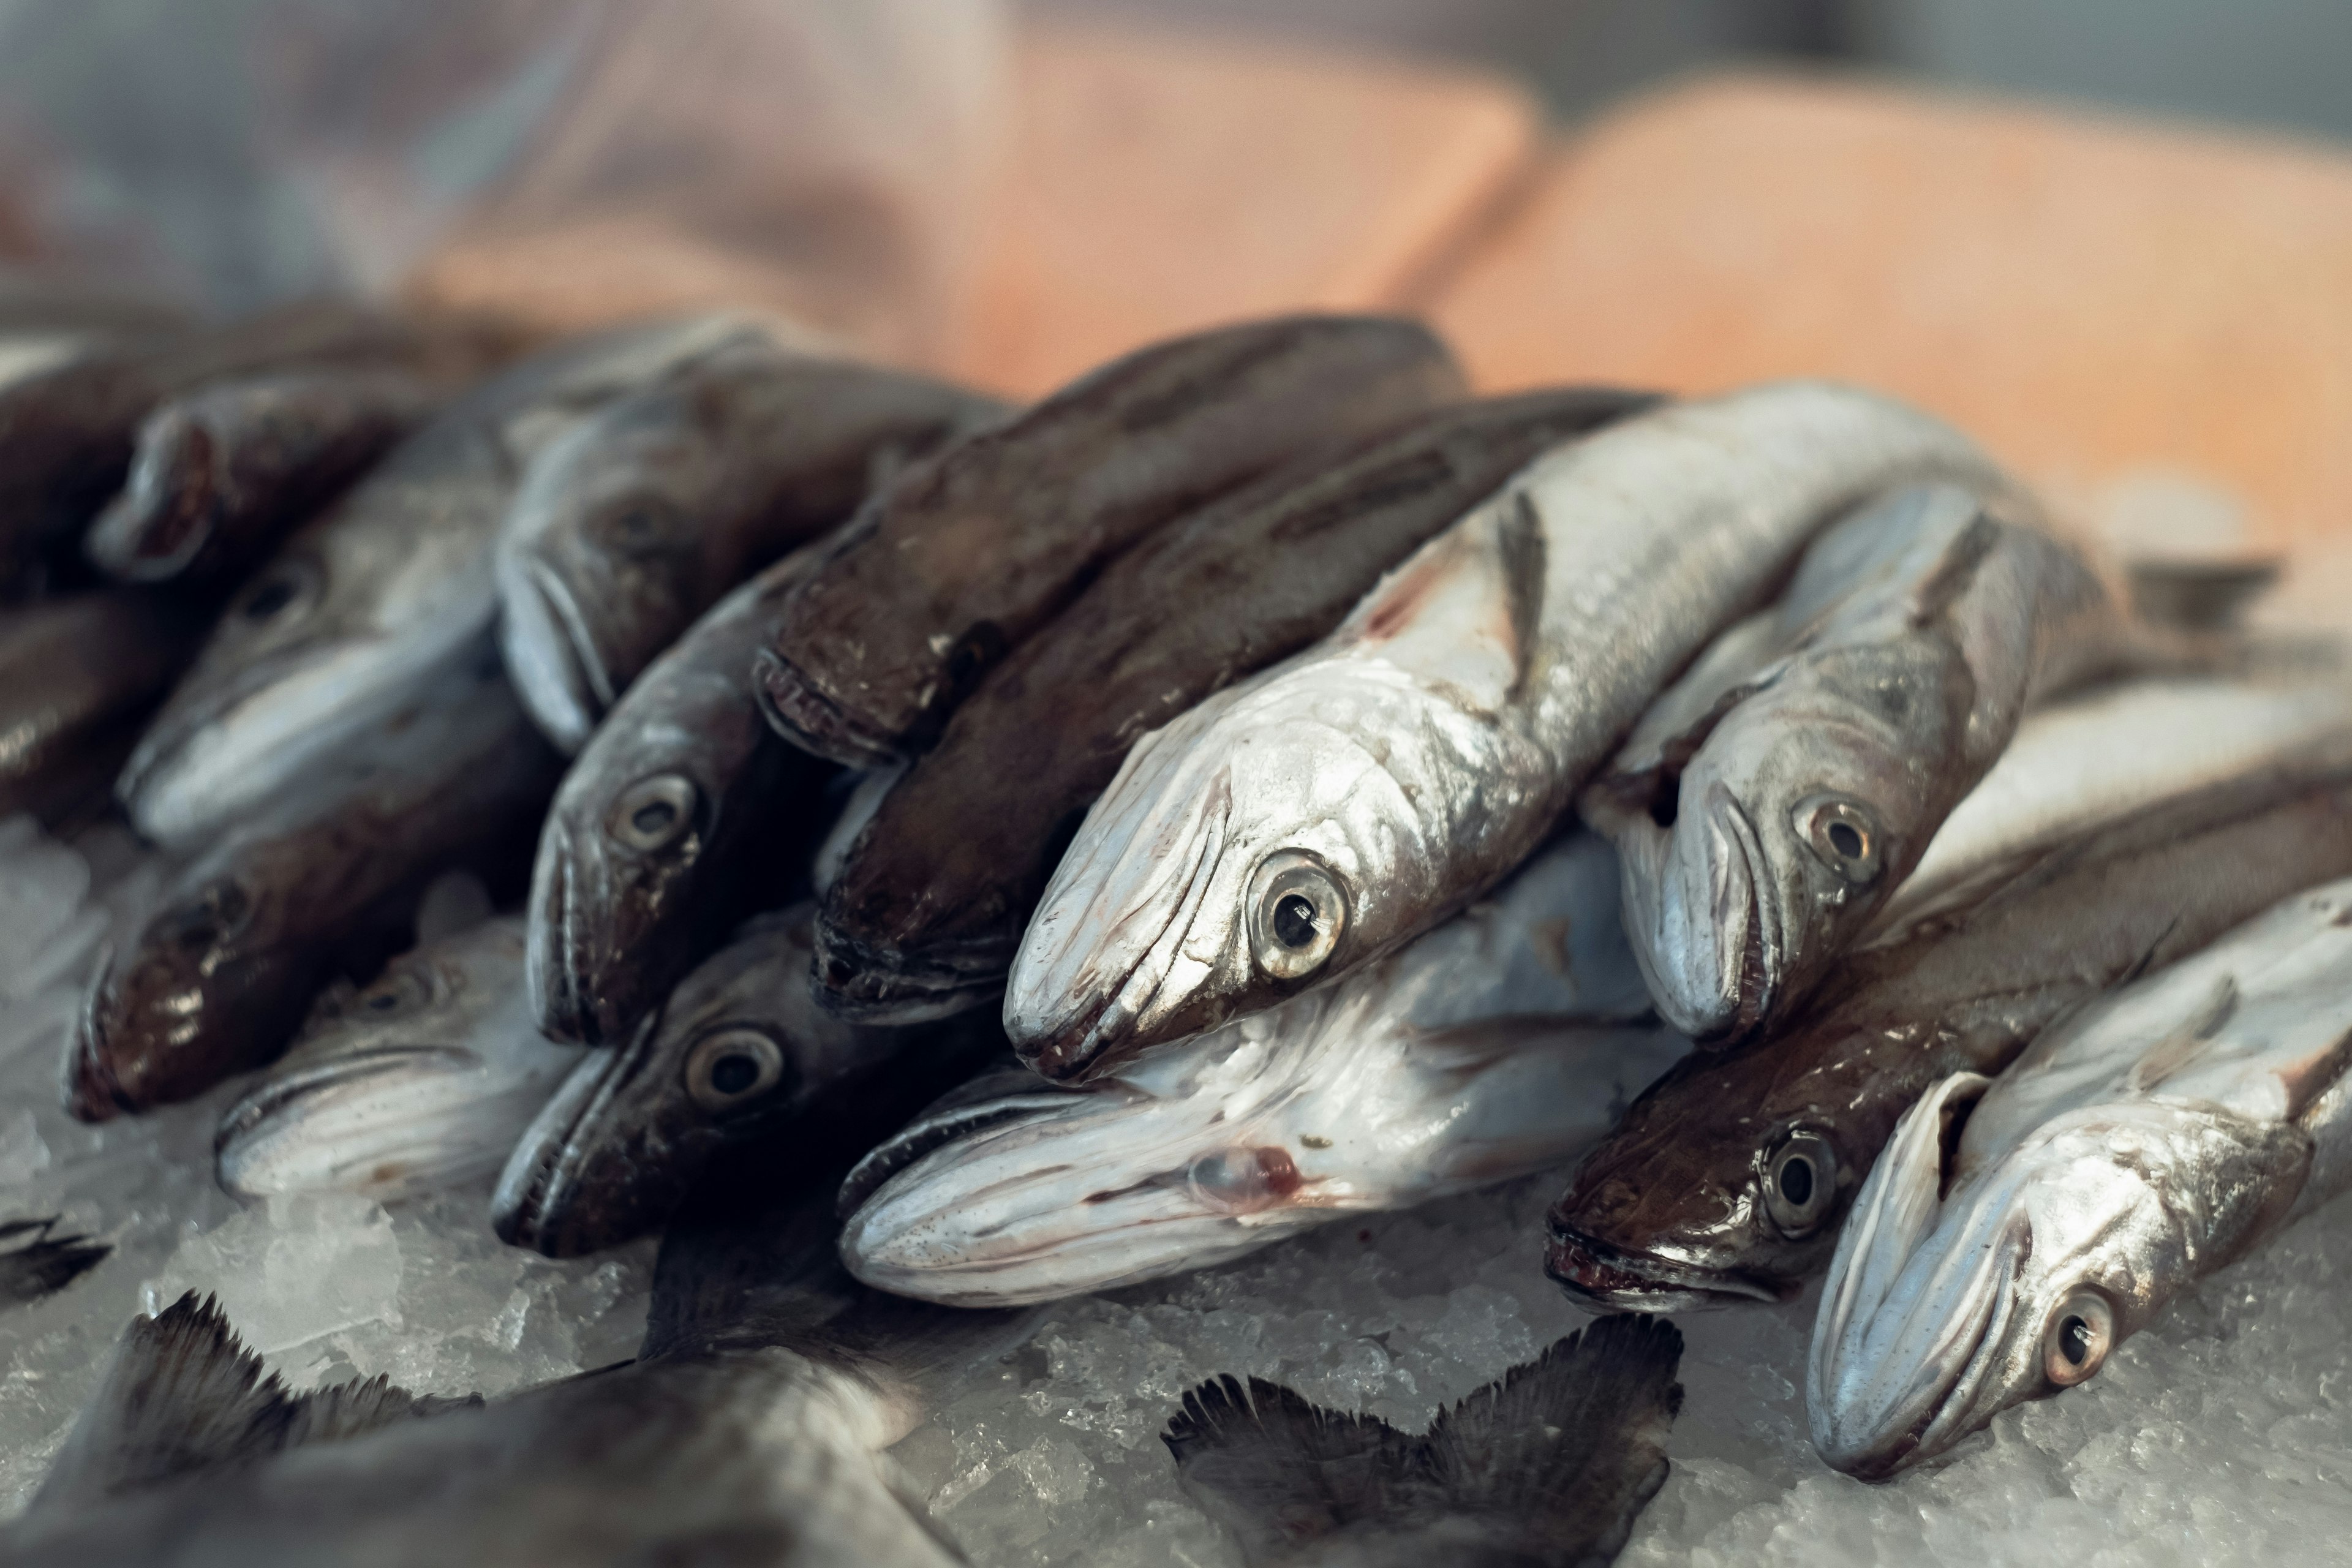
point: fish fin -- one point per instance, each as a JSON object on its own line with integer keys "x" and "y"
{"x": 1278, "y": 1471}
{"x": 1956, "y": 572}
{"x": 363, "y": 1405}
{"x": 1523, "y": 580}
{"x": 45, "y": 1264}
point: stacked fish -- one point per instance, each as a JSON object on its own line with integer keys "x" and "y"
{"x": 1335, "y": 790}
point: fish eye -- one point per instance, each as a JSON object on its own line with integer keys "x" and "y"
{"x": 642, "y": 525}
{"x": 1799, "y": 1179}
{"x": 395, "y": 991}
{"x": 2075, "y": 1342}
{"x": 1298, "y": 912}
{"x": 218, "y": 910}
{"x": 654, "y": 814}
{"x": 732, "y": 1069}
{"x": 1243, "y": 1180}
{"x": 1843, "y": 835}
{"x": 276, "y": 592}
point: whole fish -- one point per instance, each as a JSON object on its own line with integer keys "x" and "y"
{"x": 221, "y": 473}
{"x": 1548, "y": 1467}
{"x": 930, "y": 904}
{"x": 219, "y": 979}
{"x": 1500, "y": 1043}
{"x": 78, "y": 675}
{"x": 2152, "y": 1138}
{"x": 740, "y": 1055}
{"x": 383, "y": 592}
{"x": 423, "y": 1080}
{"x": 683, "y": 814}
{"x": 1303, "y": 821}
{"x": 1766, "y": 807}
{"x": 962, "y": 558}
{"x": 638, "y": 521}
{"x": 1726, "y": 1180}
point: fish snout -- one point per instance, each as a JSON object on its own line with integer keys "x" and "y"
{"x": 93, "y": 1092}
{"x": 551, "y": 653}
{"x": 814, "y": 721}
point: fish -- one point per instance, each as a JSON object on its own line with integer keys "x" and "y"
{"x": 79, "y": 675}
{"x": 420, "y": 1081}
{"x": 933, "y": 896}
{"x": 2018, "y": 1229}
{"x": 966, "y": 555}
{"x": 220, "y": 474}
{"x": 1766, "y": 807}
{"x": 740, "y": 1055}
{"x": 683, "y": 815}
{"x": 638, "y": 521}
{"x": 40, "y": 301}
{"x": 383, "y": 593}
{"x": 1501, "y": 1042}
{"x": 36, "y": 1261}
{"x": 1547, "y": 1467}
{"x": 1724, "y": 1182}
{"x": 247, "y": 930}
{"x": 1300, "y": 823}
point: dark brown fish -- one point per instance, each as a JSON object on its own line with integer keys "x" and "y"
{"x": 220, "y": 474}
{"x": 218, "y": 979}
{"x": 1727, "y": 1178}
{"x": 968, "y": 553}
{"x": 928, "y": 907}
{"x": 77, "y": 676}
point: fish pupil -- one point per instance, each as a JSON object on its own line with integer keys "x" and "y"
{"x": 1797, "y": 1182}
{"x": 269, "y": 599}
{"x": 1294, "y": 920}
{"x": 2073, "y": 1341}
{"x": 653, "y": 816}
{"x": 733, "y": 1073}
{"x": 383, "y": 1002}
{"x": 1846, "y": 839}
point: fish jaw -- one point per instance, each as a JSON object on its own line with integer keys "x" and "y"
{"x": 549, "y": 651}
{"x": 598, "y": 930}
{"x": 812, "y": 720}
{"x": 1635, "y": 1282}
{"x": 1711, "y": 946}
{"x": 865, "y": 984}
{"x": 385, "y": 1123}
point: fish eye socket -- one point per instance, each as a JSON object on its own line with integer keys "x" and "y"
{"x": 1799, "y": 1181}
{"x": 732, "y": 1069}
{"x": 2080, "y": 1332}
{"x": 394, "y": 992}
{"x": 218, "y": 910}
{"x": 1843, "y": 835}
{"x": 277, "y": 592}
{"x": 642, "y": 524}
{"x": 1297, "y": 913}
{"x": 655, "y": 814}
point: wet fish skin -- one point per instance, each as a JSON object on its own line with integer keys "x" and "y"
{"x": 642, "y": 518}
{"x": 219, "y": 474}
{"x": 741, "y": 1056}
{"x": 2016, "y": 1231}
{"x": 422, "y": 1080}
{"x": 77, "y": 674}
{"x": 930, "y": 904}
{"x": 247, "y": 930}
{"x": 963, "y": 557}
{"x": 1397, "y": 769}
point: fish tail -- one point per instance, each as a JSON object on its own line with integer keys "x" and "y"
{"x": 47, "y": 1263}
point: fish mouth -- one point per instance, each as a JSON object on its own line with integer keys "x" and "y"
{"x": 1639, "y": 1282}
{"x": 815, "y": 723}
{"x": 273, "y": 1099}
{"x": 863, "y": 983}
{"x": 555, "y": 959}
{"x": 533, "y": 1204}
{"x": 551, "y": 653}
{"x": 93, "y": 1091}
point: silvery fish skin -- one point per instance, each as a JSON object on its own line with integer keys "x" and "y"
{"x": 1499, "y": 1044}
{"x": 384, "y": 592}
{"x": 218, "y": 979}
{"x": 638, "y": 521}
{"x": 77, "y": 674}
{"x": 419, "y": 1082}
{"x": 220, "y": 474}
{"x": 739, "y": 1056}
{"x": 930, "y": 904}
{"x": 1307, "y": 820}
{"x": 1726, "y": 1180}
{"x": 2136, "y": 1148}
{"x": 683, "y": 814}
{"x": 1767, "y": 811}
{"x": 968, "y": 553}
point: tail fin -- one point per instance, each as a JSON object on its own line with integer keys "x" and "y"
{"x": 45, "y": 1264}
{"x": 1551, "y": 1465}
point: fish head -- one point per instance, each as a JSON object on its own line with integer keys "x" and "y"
{"x": 1950, "y": 1301}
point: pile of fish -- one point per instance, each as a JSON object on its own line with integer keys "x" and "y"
{"x": 927, "y": 858}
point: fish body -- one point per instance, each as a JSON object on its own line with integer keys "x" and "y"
{"x": 1499, "y": 1044}
{"x": 931, "y": 902}
{"x": 218, "y": 981}
{"x": 1307, "y": 820}
{"x": 77, "y": 674}
{"x": 639, "y": 520}
{"x": 385, "y": 592}
{"x": 2150, "y": 1140}
{"x": 420, "y": 1081}
{"x": 1765, "y": 812}
{"x": 968, "y": 553}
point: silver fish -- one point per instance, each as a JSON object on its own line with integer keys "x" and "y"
{"x": 1766, "y": 808}
{"x": 423, "y": 1080}
{"x": 2135, "y": 1148}
{"x": 1303, "y": 822}
{"x": 1500, "y": 1043}
{"x": 375, "y": 597}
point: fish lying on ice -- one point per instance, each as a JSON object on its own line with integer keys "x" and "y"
{"x": 2150, "y": 1140}
{"x": 929, "y": 906}
{"x": 1307, "y": 820}
{"x": 1768, "y": 803}
{"x": 422, "y": 1080}
{"x": 1501, "y": 1042}
{"x": 77, "y": 674}
{"x": 967, "y": 555}
{"x": 639, "y": 520}
{"x": 1727, "y": 1180}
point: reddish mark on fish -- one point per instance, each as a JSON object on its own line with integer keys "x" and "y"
{"x": 1412, "y": 587}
